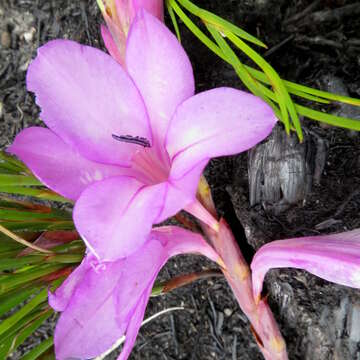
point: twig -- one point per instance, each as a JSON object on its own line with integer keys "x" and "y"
{"x": 333, "y": 14}
{"x": 22, "y": 241}
{"x": 173, "y": 330}
{"x": 303, "y": 13}
{"x": 278, "y": 46}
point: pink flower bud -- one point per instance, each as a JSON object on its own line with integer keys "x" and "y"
{"x": 119, "y": 15}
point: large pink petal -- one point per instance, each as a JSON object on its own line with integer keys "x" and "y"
{"x": 134, "y": 325}
{"x": 174, "y": 201}
{"x": 115, "y": 216}
{"x": 160, "y": 68}
{"x": 60, "y": 299}
{"x": 88, "y": 326}
{"x": 335, "y": 258}
{"x": 217, "y": 122}
{"x": 56, "y": 164}
{"x": 86, "y": 97}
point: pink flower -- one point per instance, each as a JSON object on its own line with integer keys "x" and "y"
{"x": 100, "y": 302}
{"x": 335, "y": 258}
{"x": 129, "y": 147}
{"x": 119, "y": 15}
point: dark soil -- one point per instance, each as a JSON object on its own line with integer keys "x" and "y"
{"x": 319, "y": 320}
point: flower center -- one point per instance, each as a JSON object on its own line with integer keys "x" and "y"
{"x": 153, "y": 168}
{"x": 151, "y": 163}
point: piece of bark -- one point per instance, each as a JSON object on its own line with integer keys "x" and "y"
{"x": 281, "y": 169}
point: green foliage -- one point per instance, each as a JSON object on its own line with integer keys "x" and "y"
{"x": 266, "y": 82}
{"x": 25, "y": 273}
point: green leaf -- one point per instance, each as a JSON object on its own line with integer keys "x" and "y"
{"x": 219, "y": 23}
{"x": 16, "y": 297}
{"x": 196, "y": 30}
{"x": 24, "y": 311}
{"x": 30, "y": 215}
{"x": 11, "y": 164}
{"x": 17, "y": 338}
{"x": 36, "y": 352}
{"x": 268, "y": 76}
{"x": 35, "y": 226}
{"x": 303, "y": 91}
{"x": 326, "y": 118}
{"x": 285, "y": 102}
{"x": 173, "y": 20}
{"x": 255, "y": 87}
{"x": 43, "y": 194}
{"x": 16, "y": 263}
{"x": 18, "y": 180}
{"x": 9, "y": 282}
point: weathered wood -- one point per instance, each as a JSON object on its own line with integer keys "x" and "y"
{"x": 281, "y": 169}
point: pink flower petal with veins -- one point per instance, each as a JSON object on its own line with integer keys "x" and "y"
{"x": 80, "y": 91}
{"x": 57, "y": 165}
{"x": 335, "y": 258}
{"x": 145, "y": 124}
{"x": 162, "y": 73}
{"x": 102, "y": 301}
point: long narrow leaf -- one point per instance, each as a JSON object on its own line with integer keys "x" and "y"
{"x": 16, "y": 297}
{"x": 9, "y": 282}
{"x": 28, "y": 329}
{"x": 246, "y": 78}
{"x": 35, "y": 226}
{"x": 16, "y": 180}
{"x": 43, "y": 194}
{"x": 173, "y": 20}
{"x": 220, "y": 23}
{"x": 297, "y": 89}
{"x": 36, "y": 352}
{"x": 25, "y": 310}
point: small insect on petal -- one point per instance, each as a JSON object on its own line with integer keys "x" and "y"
{"x": 132, "y": 140}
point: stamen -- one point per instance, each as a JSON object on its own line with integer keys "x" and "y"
{"x": 137, "y": 140}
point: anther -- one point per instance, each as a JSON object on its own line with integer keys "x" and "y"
{"x": 132, "y": 140}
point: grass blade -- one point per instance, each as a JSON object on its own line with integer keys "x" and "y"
{"x": 43, "y": 194}
{"x": 36, "y": 352}
{"x": 16, "y": 297}
{"x": 219, "y": 23}
{"x": 18, "y": 180}
{"x": 10, "y": 281}
{"x": 20, "y": 335}
{"x": 173, "y": 20}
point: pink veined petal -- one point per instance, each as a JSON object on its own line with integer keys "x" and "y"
{"x": 217, "y": 122}
{"x": 134, "y": 325}
{"x": 145, "y": 264}
{"x": 57, "y": 165}
{"x": 115, "y": 216}
{"x": 111, "y": 45}
{"x": 59, "y": 299}
{"x": 181, "y": 193}
{"x": 86, "y": 97}
{"x": 177, "y": 240}
{"x": 141, "y": 269}
{"x": 335, "y": 258}
{"x": 162, "y": 73}
{"x": 174, "y": 201}
{"x": 88, "y": 326}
